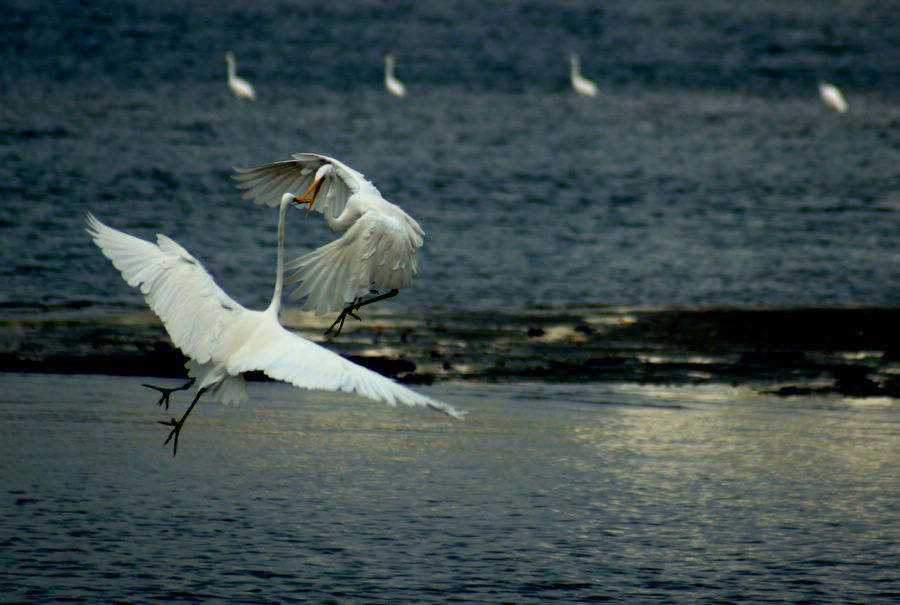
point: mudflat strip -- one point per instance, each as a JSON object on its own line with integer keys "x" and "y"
{"x": 854, "y": 352}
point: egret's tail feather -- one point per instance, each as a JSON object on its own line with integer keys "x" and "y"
{"x": 327, "y": 279}
{"x": 222, "y": 387}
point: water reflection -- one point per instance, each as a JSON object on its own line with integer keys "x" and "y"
{"x": 570, "y": 491}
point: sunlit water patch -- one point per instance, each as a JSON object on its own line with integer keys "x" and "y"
{"x": 568, "y": 492}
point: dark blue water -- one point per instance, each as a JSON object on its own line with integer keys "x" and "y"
{"x": 706, "y": 172}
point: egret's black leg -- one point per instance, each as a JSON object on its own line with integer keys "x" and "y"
{"x": 177, "y": 424}
{"x": 164, "y": 398}
{"x": 356, "y": 306}
{"x": 391, "y": 294}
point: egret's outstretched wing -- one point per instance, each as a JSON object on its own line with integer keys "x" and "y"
{"x": 377, "y": 249}
{"x": 267, "y": 183}
{"x": 193, "y": 308}
{"x": 285, "y": 356}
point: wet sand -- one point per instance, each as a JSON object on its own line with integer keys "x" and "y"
{"x": 853, "y": 352}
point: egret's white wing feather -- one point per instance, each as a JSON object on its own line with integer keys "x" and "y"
{"x": 354, "y": 180}
{"x": 326, "y": 277}
{"x": 267, "y": 183}
{"x": 262, "y": 184}
{"x": 379, "y": 249}
{"x": 192, "y": 307}
{"x": 285, "y": 356}
{"x": 223, "y": 339}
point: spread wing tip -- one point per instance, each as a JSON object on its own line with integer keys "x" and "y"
{"x": 447, "y": 409}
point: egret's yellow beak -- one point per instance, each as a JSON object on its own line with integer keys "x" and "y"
{"x": 314, "y": 189}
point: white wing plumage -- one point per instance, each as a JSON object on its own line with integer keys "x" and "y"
{"x": 224, "y": 339}
{"x": 376, "y": 249}
{"x": 267, "y": 183}
{"x": 305, "y": 364}
{"x": 193, "y": 308}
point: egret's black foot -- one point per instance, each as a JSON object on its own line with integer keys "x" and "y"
{"x": 176, "y": 430}
{"x": 339, "y": 322}
{"x": 178, "y": 424}
{"x": 164, "y": 398}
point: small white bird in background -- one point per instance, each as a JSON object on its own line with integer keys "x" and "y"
{"x": 224, "y": 339}
{"x": 394, "y": 86}
{"x": 379, "y": 241}
{"x": 832, "y": 97}
{"x": 239, "y": 86}
{"x": 582, "y": 85}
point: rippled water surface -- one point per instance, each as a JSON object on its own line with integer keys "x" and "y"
{"x": 706, "y": 172}
{"x": 546, "y": 492}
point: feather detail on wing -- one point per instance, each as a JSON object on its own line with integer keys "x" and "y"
{"x": 377, "y": 251}
{"x": 192, "y": 307}
{"x": 304, "y": 364}
{"x": 267, "y": 183}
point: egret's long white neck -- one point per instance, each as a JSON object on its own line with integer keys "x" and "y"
{"x": 231, "y": 70}
{"x": 389, "y": 67}
{"x": 576, "y": 70}
{"x": 275, "y": 305}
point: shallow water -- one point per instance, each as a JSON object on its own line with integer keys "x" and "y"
{"x": 546, "y": 492}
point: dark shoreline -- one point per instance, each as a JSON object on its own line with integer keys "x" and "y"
{"x": 854, "y": 352}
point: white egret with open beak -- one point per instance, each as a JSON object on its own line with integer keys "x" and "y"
{"x": 376, "y": 251}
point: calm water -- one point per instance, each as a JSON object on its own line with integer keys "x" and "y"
{"x": 707, "y": 172}
{"x": 569, "y": 493}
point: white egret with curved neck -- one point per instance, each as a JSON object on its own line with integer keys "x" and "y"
{"x": 582, "y": 85}
{"x": 239, "y": 86}
{"x": 832, "y": 96}
{"x": 223, "y": 339}
{"x": 393, "y": 85}
{"x": 379, "y": 241}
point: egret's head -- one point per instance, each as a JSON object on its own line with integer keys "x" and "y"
{"x": 324, "y": 171}
{"x": 289, "y": 199}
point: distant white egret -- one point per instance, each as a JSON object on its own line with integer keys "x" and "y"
{"x": 224, "y": 339}
{"x": 582, "y": 85}
{"x": 239, "y": 86}
{"x": 379, "y": 241}
{"x": 832, "y": 97}
{"x": 394, "y": 86}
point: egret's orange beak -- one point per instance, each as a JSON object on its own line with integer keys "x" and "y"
{"x": 305, "y": 199}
